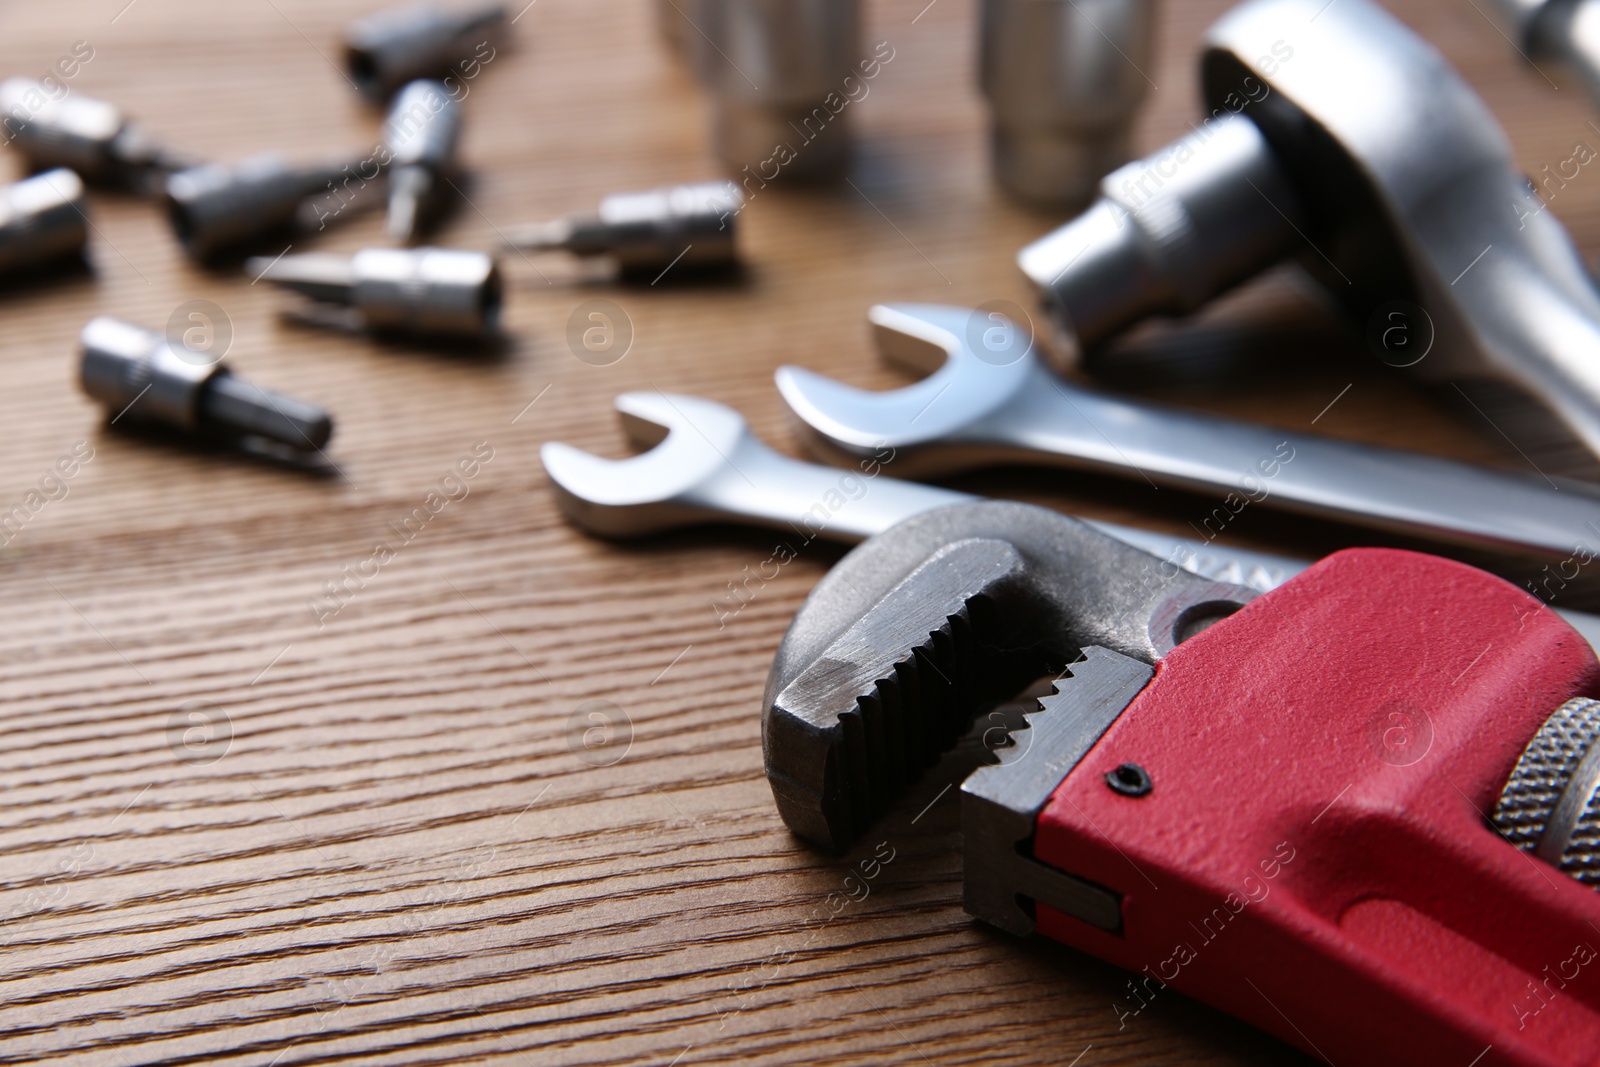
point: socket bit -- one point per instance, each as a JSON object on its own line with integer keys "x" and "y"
{"x": 138, "y": 374}
{"x": 57, "y": 129}
{"x": 42, "y": 219}
{"x": 771, "y": 66}
{"x": 420, "y": 136}
{"x": 429, "y": 292}
{"x": 1063, "y": 80}
{"x": 646, "y": 232}
{"x": 389, "y": 48}
{"x": 215, "y": 208}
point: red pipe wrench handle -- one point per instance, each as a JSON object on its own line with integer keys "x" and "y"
{"x": 1313, "y": 852}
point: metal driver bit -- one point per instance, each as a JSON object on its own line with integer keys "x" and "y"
{"x": 217, "y": 208}
{"x": 141, "y": 375}
{"x": 54, "y": 129}
{"x": 1063, "y": 80}
{"x": 772, "y": 68}
{"x": 691, "y": 225}
{"x": 42, "y": 219}
{"x": 385, "y": 50}
{"x": 421, "y": 135}
{"x": 434, "y": 292}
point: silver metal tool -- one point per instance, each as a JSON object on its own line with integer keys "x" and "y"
{"x": 981, "y": 406}
{"x": 421, "y": 135}
{"x": 144, "y": 377}
{"x": 704, "y": 465}
{"x": 1063, "y": 79}
{"x": 689, "y": 226}
{"x": 986, "y": 596}
{"x": 1403, "y": 193}
{"x": 53, "y": 127}
{"x": 776, "y": 70}
{"x": 43, "y": 219}
{"x": 1564, "y": 34}
{"x": 431, "y": 292}
{"x": 389, "y": 48}
{"x": 216, "y": 209}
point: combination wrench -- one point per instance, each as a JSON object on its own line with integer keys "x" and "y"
{"x": 998, "y": 404}
{"x": 702, "y": 464}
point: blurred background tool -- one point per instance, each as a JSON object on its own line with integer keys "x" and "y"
{"x": 430, "y": 292}
{"x": 1064, "y": 79}
{"x": 52, "y": 127}
{"x": 43, "y": 219}
{"x": 140, "y": 375}
{"x": 389, "y": 48}
{"x": 1559, "y": 36}
{"x": 776, "y": 73}
{"x": 690, "y": 226}
{"x": 217, "y": 209}
{"x": 672, "y": 18}
{"x": 422, "y": 133}
{"x": 1404, "y": 200}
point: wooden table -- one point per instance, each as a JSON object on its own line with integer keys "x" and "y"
{"x": 241, "y": 829}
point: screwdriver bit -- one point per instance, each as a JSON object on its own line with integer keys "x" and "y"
{"x": 42, "y": 219}
{"x": 648, "y": 231}
{"x": 140, "y": 374}
{"x": 429, "y": 292}
{"x": 420, "y": 135}
{"x": 216, "y": 208}
{"x": 90, "y": 136}
{"x": 385, "y": 50}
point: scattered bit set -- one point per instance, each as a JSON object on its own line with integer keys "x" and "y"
{"x": 404, "y": 58}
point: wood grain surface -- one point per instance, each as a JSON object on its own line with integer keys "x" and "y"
{"x": 238, "y": 829}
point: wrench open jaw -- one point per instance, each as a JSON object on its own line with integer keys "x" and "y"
{"x": 983, "y": 405}
{"x": 916, "y": 631}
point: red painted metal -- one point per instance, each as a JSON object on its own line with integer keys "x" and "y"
{"x": 1314, "y": 856}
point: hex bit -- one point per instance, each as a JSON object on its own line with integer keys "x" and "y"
{"x": 52, "y": 129}
{"x": 421, "y": 135}
{"x": 426, "y": 292}
{"x": 43, "y": 219}
{"x": 389, "y": 48}
{"x": 215, "y": 209}
{"x": 692, "y": 225}
{"x": 135, "y": 373}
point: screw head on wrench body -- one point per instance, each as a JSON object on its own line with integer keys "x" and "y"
{"x": 1405, "y": 190}
{"x": 973, "y": 412}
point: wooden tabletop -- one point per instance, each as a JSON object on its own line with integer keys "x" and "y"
{"x": 245, "y": 823}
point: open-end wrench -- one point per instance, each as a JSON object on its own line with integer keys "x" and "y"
{"x": 1000, "y": 403}
{"x": 704, "y": 465}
